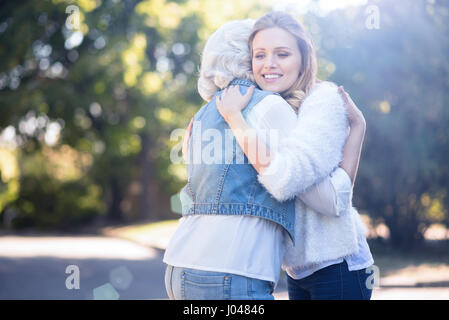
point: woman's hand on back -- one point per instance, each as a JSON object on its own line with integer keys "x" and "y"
{"x": 355, "y": 116}
{"x": 232, "y": 102}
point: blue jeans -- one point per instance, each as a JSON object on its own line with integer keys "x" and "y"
{"x": 334, "y": 282}
{"x": 193, "y": 284}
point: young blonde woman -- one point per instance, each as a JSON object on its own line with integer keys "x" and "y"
{"x": 330, "y": 256}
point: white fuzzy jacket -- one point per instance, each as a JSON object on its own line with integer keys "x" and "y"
{"x": 312, "y": 151}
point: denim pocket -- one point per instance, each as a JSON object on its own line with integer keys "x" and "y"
{"x": 205, "y": 286}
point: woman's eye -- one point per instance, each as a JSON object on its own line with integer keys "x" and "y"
{"x": 258, "y": 56}
{"x": 283, "y": 54}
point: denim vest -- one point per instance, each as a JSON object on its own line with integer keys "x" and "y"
{"x": 226, "y": 183}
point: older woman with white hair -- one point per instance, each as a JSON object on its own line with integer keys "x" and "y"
{"x": 231, "y": 240}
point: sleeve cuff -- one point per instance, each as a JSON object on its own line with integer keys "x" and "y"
{"x": 343, "y": 189}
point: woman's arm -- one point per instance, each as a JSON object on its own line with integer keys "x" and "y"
{"x": 333, "y": 195}
{"x": 230, "y": 104}
{"x": 322, "y": 197}
{"x": 329, "y": 196}
{"x": 353, "y": 146}
{"x": 274, "y": 117}
{"x": 309, "y": 154}
{"x": 343, "y": 178}
{"x": 250, "y": 142}
{"x": 352, "y": 151}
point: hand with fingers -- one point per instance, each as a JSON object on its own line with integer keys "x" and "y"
{"x": 232, "y": 102}
{"x": 355, "y": 116}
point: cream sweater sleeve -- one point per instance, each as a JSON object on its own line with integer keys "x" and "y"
{"x": 273, "y": 114}
{"x": 313, "y": 149}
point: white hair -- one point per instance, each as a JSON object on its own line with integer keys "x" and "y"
{"x": 226, "y": 56}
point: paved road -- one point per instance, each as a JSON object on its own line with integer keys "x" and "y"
{"x": 35, "y": 268}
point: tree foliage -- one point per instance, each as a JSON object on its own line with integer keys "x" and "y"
{"x": 89, "y": 100}
{"x": 87, "y": 110}
{"x": 398, "y": 75}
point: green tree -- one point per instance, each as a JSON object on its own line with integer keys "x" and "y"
{"x": 397, "y": 75}
{"x": 93, "y": 104}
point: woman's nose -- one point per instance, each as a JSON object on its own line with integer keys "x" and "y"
{"x": 270, "y": 62}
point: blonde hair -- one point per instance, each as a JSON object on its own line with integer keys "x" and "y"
{"x": 307, "y": 76}
{"x": 225, "y": 56}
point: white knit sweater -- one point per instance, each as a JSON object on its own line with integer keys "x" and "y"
{"x": 312, "y": 151}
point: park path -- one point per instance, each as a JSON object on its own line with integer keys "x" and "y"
{"x": 34, "y": 267}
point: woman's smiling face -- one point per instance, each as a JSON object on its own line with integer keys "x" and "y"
{"x": 276, "y": 59}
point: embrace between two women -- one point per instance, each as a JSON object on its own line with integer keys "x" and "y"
{"x": 291, "y": 208}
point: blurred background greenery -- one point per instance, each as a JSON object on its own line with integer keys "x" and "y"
{"x": 87, "y": 106}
